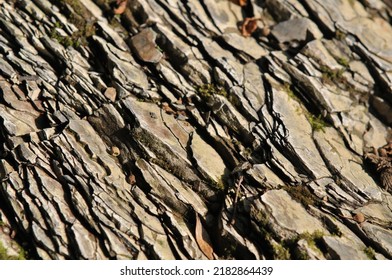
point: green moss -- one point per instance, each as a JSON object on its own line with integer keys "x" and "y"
{"x": 66, "y": 41}
{"x": 78, "y": 15}
{"x": 314, "y": 241}
{"x": 312, "y": 238}
{"x": 317, "y": 123}
{"x": 370, "y": 253}
{"x": 332, "y": 76}
{"x": 280, "y": 252}
{"x": 290, "y": 92}
{"x": 234, "y": 100}
{"x": 159, "y": 49}
{"x": 208, "y": 90}
{"x": 336, "y": 77}
{"x": 343, "y": 61}
{"x": 301, "y": 255}
{"x": 340, "y": 35}
{"x": 301, "y": 194}
{"x": 4, "y": 255}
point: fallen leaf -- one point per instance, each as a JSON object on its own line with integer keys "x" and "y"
{"x": 248, "y": 26}
{"x": 121, "y": 5}
{"x": 131, "y": 179}
{"x": 242, "y": 3}
{"x": 203, "y": 240}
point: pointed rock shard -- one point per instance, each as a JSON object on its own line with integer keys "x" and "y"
{"x": 111, "y": 93}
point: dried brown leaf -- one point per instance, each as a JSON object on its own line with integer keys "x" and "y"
{"x": 131, "y": 179}
{"x": 249, "y": 26}
{"x": 203, "y": 240}
{"x": 121, "y": 6}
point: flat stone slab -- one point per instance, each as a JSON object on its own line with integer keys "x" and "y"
{"x": 288, "y": 217}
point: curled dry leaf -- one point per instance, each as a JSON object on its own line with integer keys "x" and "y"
{"x": 120, "y": 7}
{"x": 249, "y": 26}
{"x": 203, "y": 240}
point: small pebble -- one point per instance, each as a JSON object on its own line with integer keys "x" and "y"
{"x": 115, "y": 151}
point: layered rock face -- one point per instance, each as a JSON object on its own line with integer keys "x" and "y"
{"x": 211, "y": 129}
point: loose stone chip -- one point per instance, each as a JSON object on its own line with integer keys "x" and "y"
{"x": 110, "y": 93}
{"x": 114, "y": 151}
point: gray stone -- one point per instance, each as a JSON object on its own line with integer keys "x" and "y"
{"x": 296, "y": 30}
{"x": 381, "y": 237}
{"x": 287, "y": 217}
{"x": 342, "y": 249}
{"x": 144, "y": 45}
{"x": 337, "y": 157}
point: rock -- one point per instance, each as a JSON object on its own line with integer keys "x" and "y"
{"x": 143, "y": 44}
{"x": 343, "y": 249}
{"x": 337, "y": 158}
{"x": 381, "y": 237}
{"x": 296, "y": 32}
{"x": 209, "y": 162}
{"x": 288, "y": 217}
{"x": 110, "y": 93}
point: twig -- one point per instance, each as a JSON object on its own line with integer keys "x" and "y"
{"x": 238, "y": 186}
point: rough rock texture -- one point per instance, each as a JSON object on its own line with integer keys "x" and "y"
{"x": 117, "y": 131}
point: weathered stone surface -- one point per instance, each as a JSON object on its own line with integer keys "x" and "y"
{"x": 353, "y": 176}
{"x": 343, "y": 250}
{"x": 288, "y": 216}
{"x": 145, "y": 47}
{"x": 296, "y": 31}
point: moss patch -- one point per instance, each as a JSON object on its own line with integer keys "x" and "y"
{"x": 343, "y": 61}
{"x": 317, "y": 123}
{"x": 4, "y": 255}
{"x": 330, "y": 76}
{"x": 370, "y": 253}
{"x": 78, "y": 15}
{"x": 340, "y": 35}
{"x": 280, "y": 252}
{"x": 290, "y": 92}
{"x": 302, "y": 195}
{"x": 209, "y": 90}
{"x": 314, "y": 241}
